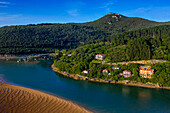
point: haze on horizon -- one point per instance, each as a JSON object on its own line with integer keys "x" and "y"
{"x": 19, "y": 12}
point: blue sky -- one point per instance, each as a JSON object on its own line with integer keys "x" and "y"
{"x": 21, "y": 12}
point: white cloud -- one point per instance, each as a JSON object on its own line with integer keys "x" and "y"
{"x": 4, "y": 17}
{"x": 73, "y": 12}
{"x": 7, "y": 19}
{"x": 4, "y": 2}
{"x": 73, "y": 8}
{"x": 109, "y": 4}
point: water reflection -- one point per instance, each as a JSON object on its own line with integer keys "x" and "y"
{"x": 144, "y": 95}
{"x": 125, "y": 91}
{"x": 140, "y": 93}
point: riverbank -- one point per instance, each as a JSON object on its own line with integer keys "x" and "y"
{"x": 20, "y": 99}
{"x": 124, "y": 82}
{"x": 14, "y": 62}
{"x": 3, "y": 57}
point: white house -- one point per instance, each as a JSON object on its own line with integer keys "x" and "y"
{"x": 114, "y": 67}
{"x": 85, "y": 71}
{"x": 69, "y": 54}
{"x": 100, "y": 56}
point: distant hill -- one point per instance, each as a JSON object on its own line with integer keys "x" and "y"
{"x": 115, "y": 23}
{"x": 43, "y": 38}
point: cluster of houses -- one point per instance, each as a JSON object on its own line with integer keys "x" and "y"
{"x": 6, "y": 55}
{"x": 144, "y": 71}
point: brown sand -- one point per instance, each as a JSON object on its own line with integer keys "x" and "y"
{"x": 16, "y": 99}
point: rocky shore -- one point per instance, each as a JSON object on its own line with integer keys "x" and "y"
{"x": 125, "y": 82}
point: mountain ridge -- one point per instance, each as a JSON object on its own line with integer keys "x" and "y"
{"x": 47, "y": 37}
{"x": 108, "y": 14}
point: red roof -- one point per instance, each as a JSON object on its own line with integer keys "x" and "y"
{"x": 105, "y": 70}
{"x": 150, "y": 69}
{"x": 145, "y": 67}
{"x": 126, "y": 71}
{"x": 100, "y": 55}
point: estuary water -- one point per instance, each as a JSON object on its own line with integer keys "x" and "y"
{"x": 98, "y": 97}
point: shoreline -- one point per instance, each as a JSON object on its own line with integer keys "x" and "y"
{"x": 12, "y": 62}
{"x": 21, "y": 99}
{"x": 24, "y": 56}
{"x": 124, "y": 82}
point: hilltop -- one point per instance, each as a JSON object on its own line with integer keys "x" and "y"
{"x": 42, "y": 38}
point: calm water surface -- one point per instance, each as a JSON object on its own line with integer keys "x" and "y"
{"x": 99, "y": 97}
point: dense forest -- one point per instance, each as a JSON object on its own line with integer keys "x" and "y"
{"x": 150, "y": 43}
{"x": 43, "y": 38}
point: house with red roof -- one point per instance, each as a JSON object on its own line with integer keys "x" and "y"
{"x": 100, "y": 56}
{"x": 105, "y": 71}
{"x": 146, "y": 71}
{"x": 127, "y": 73}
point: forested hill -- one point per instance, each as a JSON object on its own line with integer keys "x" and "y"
{"x": 145, "y": 44}
{"x": 47, "y": 37}
{"x": 149, "y": 43}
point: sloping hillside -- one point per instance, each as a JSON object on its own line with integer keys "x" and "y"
{"x": 46, "y": 37}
